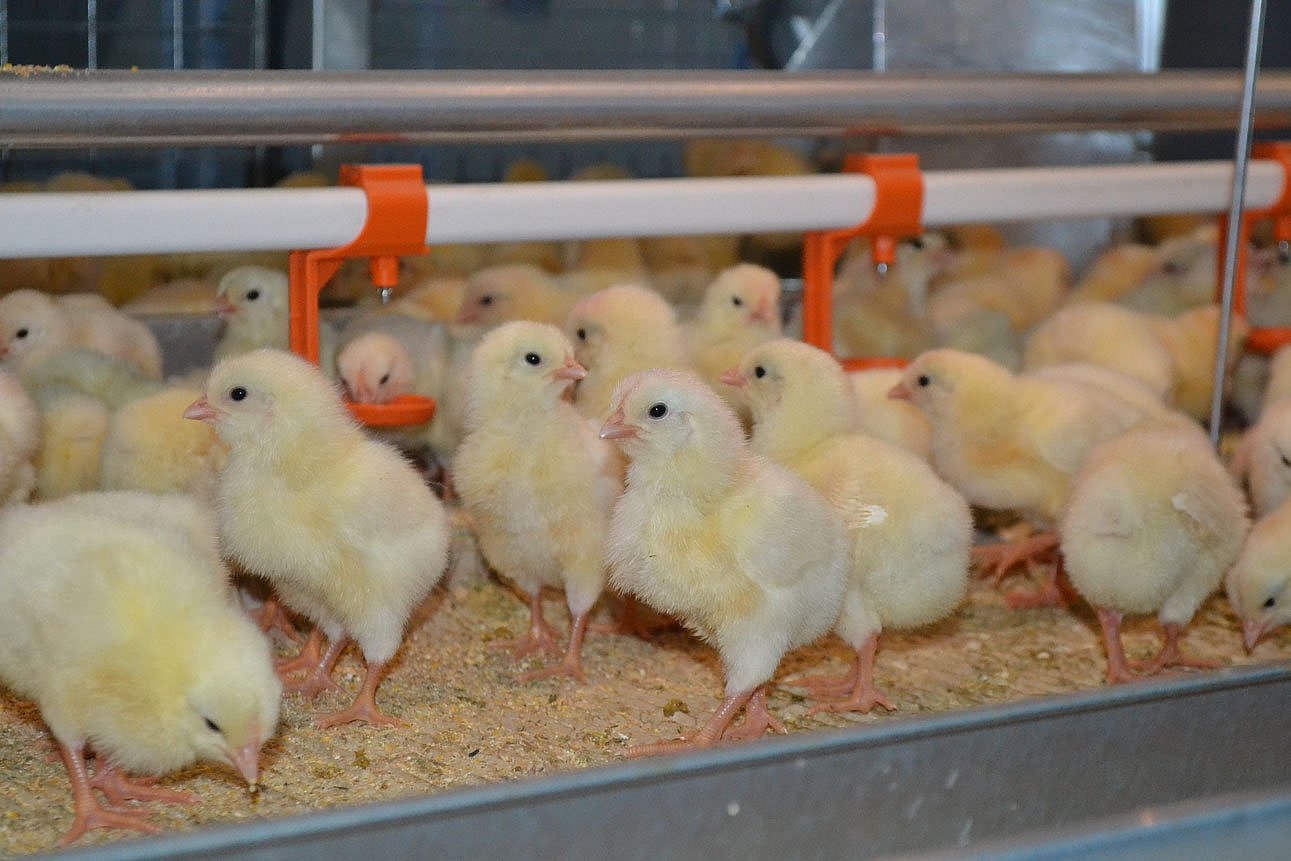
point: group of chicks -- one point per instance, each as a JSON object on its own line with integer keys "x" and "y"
{"x": 733, "y": 479}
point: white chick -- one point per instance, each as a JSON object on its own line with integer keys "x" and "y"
{"x": 893, "y": 421}
{"x": 340, "y": 524}
{"x": 1263, "y": 459}
{"x": 384, "y": 356}
{"x": 1153, "y": 523}
{"x": 19, "y": 441}
{"x": 34, "y": 327}
{"x": 122, "y": 634}
{"x": 535, "y": 479}
{"x": 742, "y": 551}
{"x": 1259, "y": 584}
{"x": 254, "y": 304}
{"x": 910, "y": 531}
{"x": 616, "y": 332}
{"x": 741, "y": 309}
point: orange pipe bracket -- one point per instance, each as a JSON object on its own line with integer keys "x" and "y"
{"x": 1262, "y": 341}
{"x": 398, "y": 210}
{"x": 897, "y": 215}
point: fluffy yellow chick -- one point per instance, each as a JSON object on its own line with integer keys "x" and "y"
{"x": 72, "y": 430}
{"x": 742, "y": 551}
{"x": 616, "y": 332}
{"x": 122, "y": 634}
{"x": 1027, "y": 285}
{"x": 1010, "y": 441}
{"x": 19, "y": 441}
{"x": 34, "y": 326}
{"x": 340, "y": 524}
{"x": 1192, "y": 339}
{"x": 741, "y": 309}
{"x": 1263, "y": 459}
{"x": 1106, "y": 335}
{"x": 893, "y": 421}
{"x": 1185, "y": 278}
{"x": 253, "y": 303}
{"x": 435, "y": 300}
{"x": 513, "y": 291}
{"x": 1259, "y": 584}
{"x": 150, "y": 446}
{"x": 535, "y": 479}
{"x": 1153, "y": 523}
{"x": 910, "y": 531}
{"x": 1116, "y": 272}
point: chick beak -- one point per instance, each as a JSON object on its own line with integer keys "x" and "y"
{"x": 4, "y": 351}
{"x": 762, "y": 313}
{"x": 468, "y": 315}
{"x": 571, "y": 371}
{"x": 201, "y": 410}
{"x": 223, "y": 307}
{"x": 733, "y": 377}
{"x": 246, "y": 760}
{"x": 1253, "y": 630}
{"x": 899, "y": 392}
{"x": 615, "y": 428}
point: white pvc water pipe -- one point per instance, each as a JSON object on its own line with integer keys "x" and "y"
{"x": 54, "y": 225}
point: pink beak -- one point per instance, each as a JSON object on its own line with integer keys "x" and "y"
{"x": 614, "y": 427}
{"x": 4, "y": 350}
{"x": 223, "y": 307}
{"x": 733, "y": 377}
{"x": 571, "y": 371}
{"x": 469, "y": 314}
{"x": 246, "y": 760}
{"x": 762, "y": 313}
{"x": 201, "y": 410}
{"x": 899, "y": 392}
{"x": 1253, "y": 631}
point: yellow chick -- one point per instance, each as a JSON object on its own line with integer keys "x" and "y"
{"x": 19, "y": 441}
{"x": 1015, "y": 442}
{"x": 513, "y": 291}
{"x": 1106, "y": 335}
{"x": 910, "y": 531}
{"x": 341, "y": 525}
{"x": 897, "y": 422}
{"x": 34, "y": 327}
{"x": 181, "y": 296}
{"x": 1026, "y": 285}
{"x": 1116, "y": 272}
{"x": 72, "y": 431}
{"x": 741, "y": 309}
{"x": 253, "y": 304}
{"x": 742, "y": 551}
{"x": 616, "y": 332}
{"x": 1185, "y": 277}
{"x": 1192, "y": 339}
{"x": 984, "y": 331}
{"x": 1153, "y": 523}
{"x": 1259, "y": 584}
{"x": 150, "y": 446}
{"x": 535, "y": 479}
{"x": 1262, "y": 460}
{"x": 122, "y": 634}
{"x": 434, "y": 300}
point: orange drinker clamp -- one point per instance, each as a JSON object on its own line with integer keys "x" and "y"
{"x": 1262, "y": 341}
{"x": 898, "y": 214}
{"x": 395, "y": 227}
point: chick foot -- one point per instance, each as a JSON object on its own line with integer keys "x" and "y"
{"x": 310, "y": 654}
{"x": 709, "y": 735}
{"x": 1171, "y": 656}
{"x": 1050, "y": 593}
{"x": 996, "y": 560}
{"x": 320, "y": 679}
{"x": 89, "y": 814}
{"x": 364, "y": 708}
{"x": 757, "y": 720}
{"x": 542, "y": 636}
{"x": 572, "y": 665}
{"x": 1118, "y": 668}
{"x": 863, "y": 696}
{"x": 827, "y": 686}
{"x": 118, "y": 788}
{"x": 273, "y": 618}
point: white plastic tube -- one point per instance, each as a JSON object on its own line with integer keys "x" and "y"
{"x": 54, "y": 225}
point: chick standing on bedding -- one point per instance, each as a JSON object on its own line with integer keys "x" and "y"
{"x": 910, "y": 531}
{"x": 19, "y": 441}
{"x": 34, "y": 327}
{"x": 122, "y": 633}
{"x": 340, "y": 524}
{"x": 1259, "y": 585}
{"x": 742, "y": 551}
{"x": 1153, "y": 523}
{"x": 536, "y": 481}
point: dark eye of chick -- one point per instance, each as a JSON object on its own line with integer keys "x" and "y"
{"x": 737, "y": 301}
{"x": 213, "y": 726}
{"x": 533, "y": 358}
{"x": 923, "y": 380}
{"x": 759, "y": 372}
{"x": 1172, "y": 267}
{"x": 253, "y": 295}
{"x": 1270, "y": 602}
{"x": 385, "y": 379}
{"x": 582, "y": 334}
{"x": 237, "y": 393}
{"x": 21, "y": 333}
{"x": 1285, "y": 461}
{"x": 916, "y": 244}
{"x": 658, "y": 411}
{"x": 486, "y": 300}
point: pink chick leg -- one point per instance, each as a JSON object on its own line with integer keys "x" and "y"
{"x": 310, "y": 654}
{"x": 541, "y": 637}
{"x": 1118, "y": 668}
{"x": 757, "y": 720}
{"x": 320, "y": 679}
{"x": 364, "y": 708}
{"x": 273, "y": 618}
{"x": 708, "y": 736}
{"x": 89, "y": 814}
{"x": 572, "y": 665}
{"x": 996, "y": 560}
{"x": 631, "y": 624}
{"x": 1050, "y": 593}
{"x": 864, "y": 694}
{"x": 831, "y": 686}
{"x": 118, "y": 788}
{"x": 1171, "y": 656}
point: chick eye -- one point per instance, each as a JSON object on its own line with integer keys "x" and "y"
{"x": 385, "y": 379}
{"x": 737, "y": 301}
{"x": 923, "y": 380}
{"x": 533, "y": 358}
{"x": 213, "y": 726}
{"x": 1172, "y": 267}
{"x": 917, "y": 244}
{"x": 759, "y": 372}
{"x": 21, "y": 333}
{"x": 253, "y": 295}
{"x": 1270, "y": 602}
{"x": 237, "y": 393}
{"x": 582, "y": 334}
{"x": 486, "y": 300}
{"x": 658, "y": 411}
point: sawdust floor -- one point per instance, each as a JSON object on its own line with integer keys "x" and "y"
{"x": 470, "y": 722}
